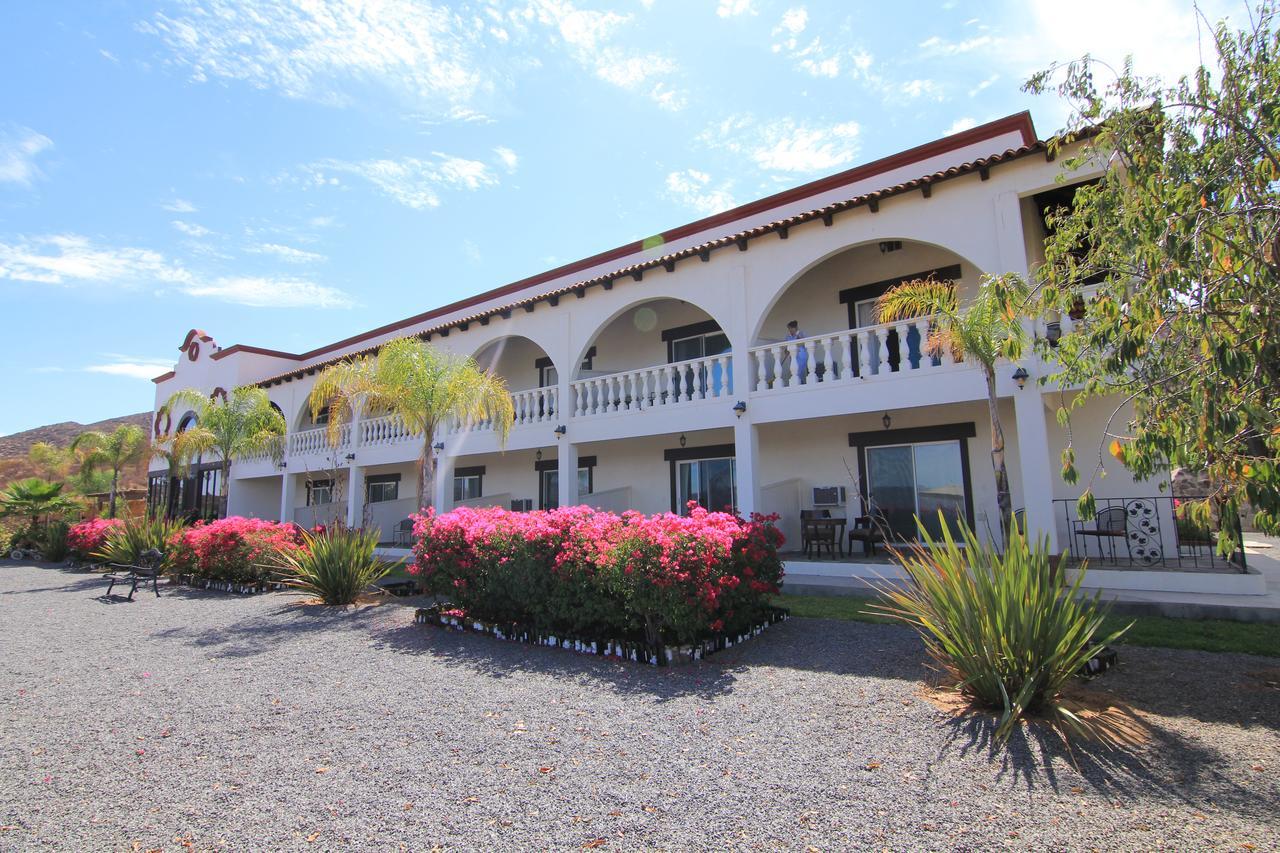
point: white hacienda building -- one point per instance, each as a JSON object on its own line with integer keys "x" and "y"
{"x": 662, "y": 372}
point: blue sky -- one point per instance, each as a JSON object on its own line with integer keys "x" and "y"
{"x": 286, "y": 177}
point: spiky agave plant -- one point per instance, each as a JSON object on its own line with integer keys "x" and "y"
{"x": 1005, "y": 625}
{"x": 127, "y": 543}
{"x": 336, "y": 566}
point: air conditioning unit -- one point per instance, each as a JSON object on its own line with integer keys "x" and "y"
{"x": 522, "y": 505}
{"x": 829, "y": 496}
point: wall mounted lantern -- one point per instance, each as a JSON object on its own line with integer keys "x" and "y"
{"x": 538, "y": 455}
{"x": 1020, "y": 376}
{"x": 561, "y": 430}
{"x": 683, "y": 440}
{"x": 351, "y": 457}
{"x": 886, "y": 420}
{"x": 438, "y": 447}
{"x": 740, "y": 408}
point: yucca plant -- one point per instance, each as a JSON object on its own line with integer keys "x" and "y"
{"x": 336, "y": 566}
{"x": 1005, "y": 625}
{"x": 127, "y": 543}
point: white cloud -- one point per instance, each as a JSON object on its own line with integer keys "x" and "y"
{"x": 786, "y": 145}
{"x": 692, "y": 189}
{"x": 191, "y": 229}
{"x": 268, "y": 292}
{"x": 938, "y": 46}
{"x": 508, "y": 157}
{"x": 732, "y": 8}
{"x": 960, "y": 124}
{"x": 984, "y": 85}
{"x": 132, "y": 367}
{"x": 447, "y": 59}
{"x": 68, "y": 259}
{"x": 793, "y": 21}
{"x": 286, "y": 253}
{"x": 106, "y": 54}
{"x": 315, "y": 50}
{"x": 179, "y": 205}
{"x": 19, "y": 147}
{"x": 412, "y": 181}
{"x": 921, "y": 88}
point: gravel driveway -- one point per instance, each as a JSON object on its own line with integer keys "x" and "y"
{"x": 258, "y": 723}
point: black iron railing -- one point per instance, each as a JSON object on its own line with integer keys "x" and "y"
{"x": 1146, "y": 532}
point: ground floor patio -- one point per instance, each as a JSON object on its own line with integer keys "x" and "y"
{"x": 219, "y": 721}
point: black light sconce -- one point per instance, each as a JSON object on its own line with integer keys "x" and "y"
{"x": 1020, "y": 376}
{"x": 438, "y": 447}
{"x": 886, "y": 420}
{"x": 683, "y": 440}
{"x": 351, "y": 457}
{"x": 538, "y": 455}
{"x": 740, "y": 408}
{"x": 282, "y": 465}
{"x": 561, "y": 430}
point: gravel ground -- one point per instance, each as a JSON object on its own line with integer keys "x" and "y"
{"x": 201, "y": 720}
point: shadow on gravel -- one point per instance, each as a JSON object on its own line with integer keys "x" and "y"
{"x": 1169, "y": 766}
{"x": 82, "y": 583}
{"x": 265, "y": 632}
{"x": 499, "y": 659}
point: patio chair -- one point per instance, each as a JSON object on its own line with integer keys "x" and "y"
{"x": 1108, "y": 525}
{"x": 868, "y": 531}
{"x": 403, "y": 536}
{"x": 148, "y": 569}
{"x": 814, "y": 537}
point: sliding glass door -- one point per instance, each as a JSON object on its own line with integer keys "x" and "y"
{"x": 909, "y": 480}
{"x": 712, "y": 483}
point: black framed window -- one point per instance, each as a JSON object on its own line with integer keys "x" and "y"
{"x": 549, "y": 480}
{"x": 380, "y": 488}
{"x": 319, "y": 492}
{"x": 917, "y": 471}
{"x": 707, "y": 475}
{"x": 468, "y": 483}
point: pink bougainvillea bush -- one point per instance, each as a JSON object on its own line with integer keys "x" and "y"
{"x": 241, "y": 550}
{"x": 660, "y": 578}
{"x": 87, "y": 538}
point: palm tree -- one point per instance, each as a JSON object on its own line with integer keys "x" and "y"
{"x": 420, "y": 384}
{"x": 112, "y": 452}
{"x": 239, "y": 423}
{"x": 33, "y": 497}
{"x": 988, "y": 328}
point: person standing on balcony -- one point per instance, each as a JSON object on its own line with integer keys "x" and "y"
{"x": 802, "y": 354}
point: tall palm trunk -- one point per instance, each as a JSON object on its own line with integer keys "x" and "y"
{"x": 111, "y": 500}
{"x": 1003, "y": 499}
{"x": 427, "y": 470}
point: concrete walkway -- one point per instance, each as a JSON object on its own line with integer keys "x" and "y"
{"x": 1262, "y": 552}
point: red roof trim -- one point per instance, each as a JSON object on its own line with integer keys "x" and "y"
{"x": 1018, "y": 122}
{"x": 164, "y": 377}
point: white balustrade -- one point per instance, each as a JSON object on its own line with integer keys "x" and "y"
{"x": 865, "y": 353}
{"x": 313, "y": 441}
{"x": 691, "y": 381}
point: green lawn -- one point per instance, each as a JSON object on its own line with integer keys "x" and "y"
{"x": 1210, "y": 635}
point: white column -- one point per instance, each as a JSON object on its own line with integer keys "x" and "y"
{"x": 1035, "y": 464}
{"x": 355, "y": 495}
{"x": 288, "y": 495}
{"x": 567, "y": 468}
{"x": 746, "y": 441}
{"x": 442, "y": 499}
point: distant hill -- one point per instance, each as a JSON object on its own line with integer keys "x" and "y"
{"x": 13, "y": 448}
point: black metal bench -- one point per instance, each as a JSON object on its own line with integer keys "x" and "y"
{"x": 149, "y": 569}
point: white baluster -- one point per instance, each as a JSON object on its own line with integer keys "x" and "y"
{"x": 882, "y": 362}
{"x": 904, "y": 350}
{"x": 757, "y": 357}
{"x": 846, "y": 356}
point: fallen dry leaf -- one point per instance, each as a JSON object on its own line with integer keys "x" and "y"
{"x": 322, "y": 769}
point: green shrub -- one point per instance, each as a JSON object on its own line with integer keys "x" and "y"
{"x": 1005, "y": 625}
{"x": 53, "y": 543}
{"x": 126, "y": 542}
{"x": 336, "y": 566}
